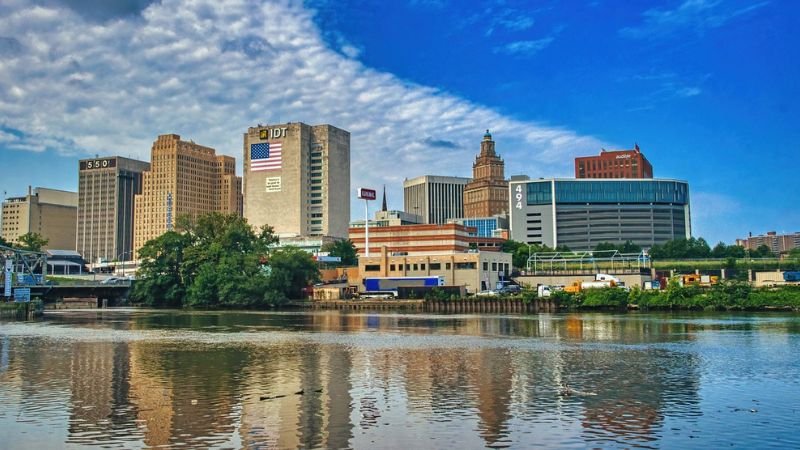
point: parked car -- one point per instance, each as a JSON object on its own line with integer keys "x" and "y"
{"x": 112, "y": 280}
{"x": 510, "y": 289}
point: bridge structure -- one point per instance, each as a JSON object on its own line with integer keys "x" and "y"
{"x": 26, "y": 271}
{"x": 22, "y": 269}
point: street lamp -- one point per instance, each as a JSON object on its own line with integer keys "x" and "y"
{"x": 119, "y": 258}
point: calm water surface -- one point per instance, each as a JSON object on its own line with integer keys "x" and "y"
{"x": 141, "y": 379}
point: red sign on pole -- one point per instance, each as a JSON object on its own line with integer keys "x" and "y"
{"x": 367, "y": 194}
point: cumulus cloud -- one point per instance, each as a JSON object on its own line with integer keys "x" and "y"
{"x": 207, "y": 70}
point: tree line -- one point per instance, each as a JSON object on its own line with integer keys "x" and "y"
{"x": 220, "y": 261}
{"x": 32, "y": 242}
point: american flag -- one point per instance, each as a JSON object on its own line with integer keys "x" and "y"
{"x": 265, "y": 156}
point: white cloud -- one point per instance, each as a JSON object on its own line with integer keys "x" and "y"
{"x": 525, "y": 48}
{"x": 697, "y": 15}
{"x": 207, "y": 70}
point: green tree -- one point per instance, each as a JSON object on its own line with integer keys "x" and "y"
{"x": 159, "y": 282}
{"x": 212, "y": 261}
{"x": 33, "y": 242}
{"x": 4, "y": 242}
{"x": 291, "y": 270}
{"x": 223, "y": 265}
{"x": 344, "y": 249}
{"x": 630, "y": 247}
{"x": 762, "y": 252}
{"x": 605, "y": 246}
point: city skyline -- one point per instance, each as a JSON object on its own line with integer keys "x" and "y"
{"x": 669, "y": 78}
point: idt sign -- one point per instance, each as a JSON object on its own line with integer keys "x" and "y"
{"x": 367, "y": 194}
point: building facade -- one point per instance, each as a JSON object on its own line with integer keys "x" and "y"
{"x": 487, "y": 194}
{"x": 777, "y": 243}
{"x": 297, "y": 179}
{"x": 422, "y": 239}
{"x": 434, "y": 198}
{"x": 50, "y": 212}
{"x": 185, "y": 179}
{"x": 583, "y": 213}
{"x": 614, "y": 164}
{"x": 389, "y": 218}
{"x": 477, "y": 271}
{"x": 106, "y": 191}
{"x": 495, "y": 226}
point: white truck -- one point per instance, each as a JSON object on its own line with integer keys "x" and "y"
{"x": 543, "y": 290}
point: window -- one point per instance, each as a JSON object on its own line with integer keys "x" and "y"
{"x": 391, "y": 267}
{"x": 422, "y": 267}
{"x": 466, "y": 265}
{"x": 415, "y": 267}
{"x": 372, "y": 268}
{"x": 494, "y": 267}
{"x": 446, "y": 266}
{"x": 485, "y": 265}
{"x": 436, "y": 266}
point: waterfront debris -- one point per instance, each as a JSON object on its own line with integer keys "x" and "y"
{"x": 273, "y": 397}
{"x": 566, "y": 391}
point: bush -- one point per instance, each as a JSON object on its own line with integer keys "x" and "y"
{"x": 605, "y": 298}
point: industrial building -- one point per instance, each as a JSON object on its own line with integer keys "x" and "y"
{"x": 106, "y": 190}
{"x": 51, "y": 213}
{"x": 184, "y": 179}
{"x": 434, "y": 198}
{"x": 477, "y": 271}
{"x": 614, "y": 164}
{"x": 581, "y": 213}
{"x": 297, "y": 180}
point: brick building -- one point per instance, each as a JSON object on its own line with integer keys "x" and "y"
{"x": 487, "y": 194}
{"x": 184, "y": 179}
{"x": 614, "y": 164}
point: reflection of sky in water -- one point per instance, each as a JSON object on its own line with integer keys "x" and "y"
{"x": 334, "y": 380}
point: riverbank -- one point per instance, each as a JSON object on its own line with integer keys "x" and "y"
{"x": 726, "y": 296}
{"x": 21, "y": 310}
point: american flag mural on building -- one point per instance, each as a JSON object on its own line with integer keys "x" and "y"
{"x": 265, "y": 156}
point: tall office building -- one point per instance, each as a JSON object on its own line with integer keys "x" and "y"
{"x": 106, "y": 190}
{"x": 487, "y": 194}
{"x": 48, "y": 212}
{"x": 583, "y": 213}
{"x": 614, "y": 164}
{"x": 184, "y": 179}
{"x": 297, "y": 179}
{"x": 434, "y": 198}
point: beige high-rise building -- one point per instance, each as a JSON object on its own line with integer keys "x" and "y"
{"x": 106, "y": 190}
{"x": 297, "y": 179}
{"x": 184, "y": 179}
{"x": 435, "y": 198}
{"x": 487, "y": 194}
{"x": 49, "y": 212}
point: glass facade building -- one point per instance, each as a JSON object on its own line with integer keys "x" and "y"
{"x": 486, "y": 226}
{"x": 581, "y": 213}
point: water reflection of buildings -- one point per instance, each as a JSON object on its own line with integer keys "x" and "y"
{"x": 172, "y": 394}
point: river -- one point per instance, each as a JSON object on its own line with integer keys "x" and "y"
{"x": 329, "y": 379}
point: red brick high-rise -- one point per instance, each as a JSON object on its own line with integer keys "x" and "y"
{"x": 614, "y": 164}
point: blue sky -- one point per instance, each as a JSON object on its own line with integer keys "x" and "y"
{"x": 708, "y": 88}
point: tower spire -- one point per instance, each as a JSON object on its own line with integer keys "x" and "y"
{"x": 383, "y": 206}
